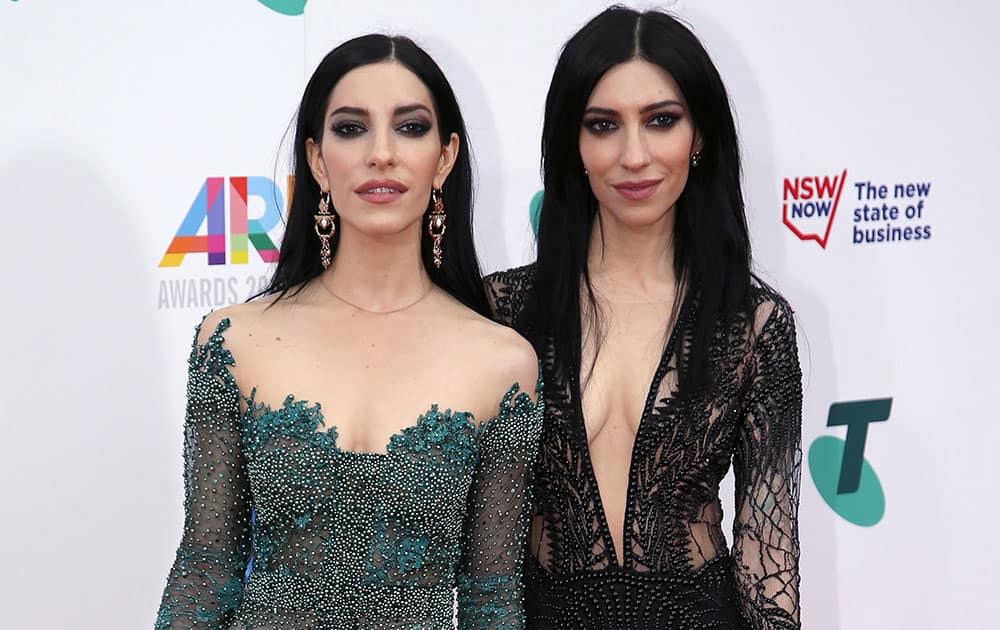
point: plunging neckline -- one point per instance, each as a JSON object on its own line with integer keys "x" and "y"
{"x": 651, "y": 397}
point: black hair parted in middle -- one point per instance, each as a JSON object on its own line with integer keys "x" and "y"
{"x": 710, "y": 238}
{"x": 299, "y": 257}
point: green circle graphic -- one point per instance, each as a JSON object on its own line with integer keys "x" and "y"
{"x": 535, "y": 210}
{"x": 864, "y": 507}
{"x": 285, "y": 7}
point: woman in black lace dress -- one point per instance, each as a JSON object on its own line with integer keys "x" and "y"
{"x": 665, "y": 359}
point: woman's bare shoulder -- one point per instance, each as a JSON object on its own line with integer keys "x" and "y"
{"x": 241, "y": 320}
{"x": 504, "y": 356}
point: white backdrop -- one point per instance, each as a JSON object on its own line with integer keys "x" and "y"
{"x": 115, "y": 114}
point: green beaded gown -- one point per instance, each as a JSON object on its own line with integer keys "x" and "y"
{"x": 283, "y": 529}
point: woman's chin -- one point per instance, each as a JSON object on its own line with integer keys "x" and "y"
{"x": 386, "y": 226}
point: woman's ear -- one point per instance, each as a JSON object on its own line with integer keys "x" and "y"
{"x": 449, "y": 153}
{"x": 698, "y": 145}
{"x": 316, "y": 165}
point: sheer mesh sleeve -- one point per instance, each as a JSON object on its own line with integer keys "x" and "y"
{"x": 767, "y": 465}
{"x": 506, "y": 292}
{"x": 205, "y": 585}
{"x": 490, "y": 590}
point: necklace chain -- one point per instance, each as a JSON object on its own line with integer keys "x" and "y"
{"x": 370, "y": 311}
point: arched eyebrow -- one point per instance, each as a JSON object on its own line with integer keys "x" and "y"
{"x": 601, "y": 111}
{"x": 409, "y": 109}
{"x": 353, "y": 111}
{"x": 399, "y": 111}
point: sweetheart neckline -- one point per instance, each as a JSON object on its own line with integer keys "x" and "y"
{"x": 332, "y": 433}
{"x": 511, "y": 399}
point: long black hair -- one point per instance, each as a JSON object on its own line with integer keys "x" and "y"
{"x": 710, "y": 238}
{"x": 299, "y": 258}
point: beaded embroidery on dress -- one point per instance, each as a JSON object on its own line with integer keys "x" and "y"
{"x": 677, "y": 570}
{"x": 338, "y": 539}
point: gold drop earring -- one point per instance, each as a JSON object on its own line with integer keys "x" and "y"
{"x": 326, "y": 227}
{"x": 436, "y": 226}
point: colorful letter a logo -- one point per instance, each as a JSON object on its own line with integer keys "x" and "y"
{"x": 210, "y": 205}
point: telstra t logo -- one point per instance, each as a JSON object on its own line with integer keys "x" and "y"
{"x": 286, "y": 7}
{"x": 844, "y": 478}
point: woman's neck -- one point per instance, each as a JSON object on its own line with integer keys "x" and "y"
{"x": 633, "y": 262}
{"x": 378, "y": 274}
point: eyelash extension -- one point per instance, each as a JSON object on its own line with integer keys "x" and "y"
{"x": 592, "y": 126}
{"x": 348, "y": 129}
{"x": 674, "y": 118}
{"x": 656, "y": 121}
{"x": 414, "y": 128}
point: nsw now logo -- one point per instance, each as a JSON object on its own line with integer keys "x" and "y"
{"x": 810, "y": 204}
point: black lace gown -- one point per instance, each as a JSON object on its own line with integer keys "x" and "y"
{"x": 677, "y": 570}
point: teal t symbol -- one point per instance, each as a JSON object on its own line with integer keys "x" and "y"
{"x": 843, "y": 477}
{"x": 285, "y": 7}
{"x": 856, "y": 416}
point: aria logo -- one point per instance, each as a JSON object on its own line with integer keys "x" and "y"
{"x": 810, "y": 204}
{"x": 210, "y": 207}
{"x": 843, "y": 477}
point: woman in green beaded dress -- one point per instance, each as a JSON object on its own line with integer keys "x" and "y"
{"x": 359, "y": 440}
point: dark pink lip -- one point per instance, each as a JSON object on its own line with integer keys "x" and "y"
{"x": 381, "y": 190}
{"x": 637, "y": 191}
